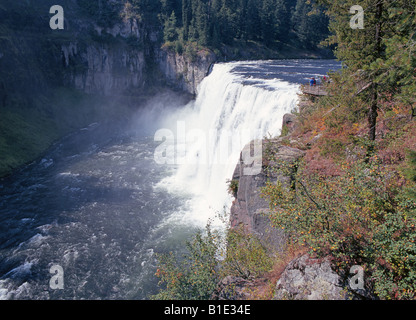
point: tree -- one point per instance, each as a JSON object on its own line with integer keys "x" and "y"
{"x": 363, "y": 50}
{"x": 253, "y": 23}
{"x": 186, "y": 18}
{"x": 211, "y": 23}
{"x": 267, "y": 17}
{"x": 170, "y": 33}
{"x": 397, "y": 69}
{"x": 282, "y": 20}
{"x": 201, "y": 22}
{"x": 310, "y": 24}
{"x": 149, "y": 10}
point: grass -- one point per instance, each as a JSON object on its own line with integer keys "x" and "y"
{"x": 24, "y": 135}
{"x": 29, "y": 127}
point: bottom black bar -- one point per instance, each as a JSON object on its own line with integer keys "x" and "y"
{"x": 249, "y": 310}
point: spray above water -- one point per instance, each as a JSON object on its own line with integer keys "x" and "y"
{"x": 204, "y": 139}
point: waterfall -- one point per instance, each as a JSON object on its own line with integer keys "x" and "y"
{"x": 205, "y": 138}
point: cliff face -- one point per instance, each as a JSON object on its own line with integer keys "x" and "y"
{"x": 249, "y": 209}
{"x": 53, "y": 81}
{"x": 183, "y": 72}
{"x": 104, "y": 68}
{"x": 115, "y": 57}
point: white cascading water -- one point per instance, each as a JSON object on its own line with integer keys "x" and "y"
{"x": 229, "y": 112}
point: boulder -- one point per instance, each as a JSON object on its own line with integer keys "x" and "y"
{"x": 310, "y": 279}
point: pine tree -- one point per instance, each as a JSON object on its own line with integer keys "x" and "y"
{"x": 186, "y": 18}
{"x": 398, "y": 67}
{"x": 253, "y": 22}
{"x": 170, "y": 33}
{"x": 282, "y": 20}
{"x": 310, "y": 24}
{"x": 201, "y": 22}
{"x": 267, "y": 11}
{"x": 361, "y": 49}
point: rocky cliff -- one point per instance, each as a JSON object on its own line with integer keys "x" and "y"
{"x": 109, "y": 52}
{"x": 128, "y": 56}
{"x": 183, "y": 71}
{"x": 105, "y": 61}
{"x": 303, "y": 278}
{"x": 103, "y": 69}
{"x": 249, "y": 209}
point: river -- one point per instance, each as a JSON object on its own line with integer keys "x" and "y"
{"x": 104, "y": 199}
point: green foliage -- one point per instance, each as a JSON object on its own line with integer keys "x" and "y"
{"x": 394, "y": 273}
{"x": 233, "y": 187}
{"x": 379, "y": 56}
{"x": 410, "y": 173}
{"x": 285, "y": 130}
{"x": 333, "y": 147}
{"x": 310, "y": 24}
{"x": 361, "y": 217}
{"x": 170, "y": 28}
{"x": 246, "y": 257}
{"x": 196, "y": 275}
{"x": 217, "y": 22}
{"x": 193, "y": 277}
{"x": 105, "y": 13}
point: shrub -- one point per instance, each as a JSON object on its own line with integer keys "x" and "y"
{"x": 233, "y": 187}
{"x": 195, "y": 276}
{"x": 246, "y": 257}
{"x": 410, "y": 173}
{"x": 360, "y": 217}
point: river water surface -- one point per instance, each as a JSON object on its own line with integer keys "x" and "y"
{"x": 99, "y": 205}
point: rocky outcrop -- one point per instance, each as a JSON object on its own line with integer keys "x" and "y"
{"x": 289, "y": 122}
{"x": 307, "y": 278}
{"x": 185, "y": 72}
{"x": 104, "y": 68}
{"x": 249, "y": 209}
{"x": 121, "y": 63}
{"x": 310, "y": 279}
{"x": 111, "y": 62}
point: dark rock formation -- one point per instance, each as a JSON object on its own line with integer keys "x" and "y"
{"x": 249, "y": 209}
{"x": 104, "y": 69}
{"x": 183, "y": 72}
